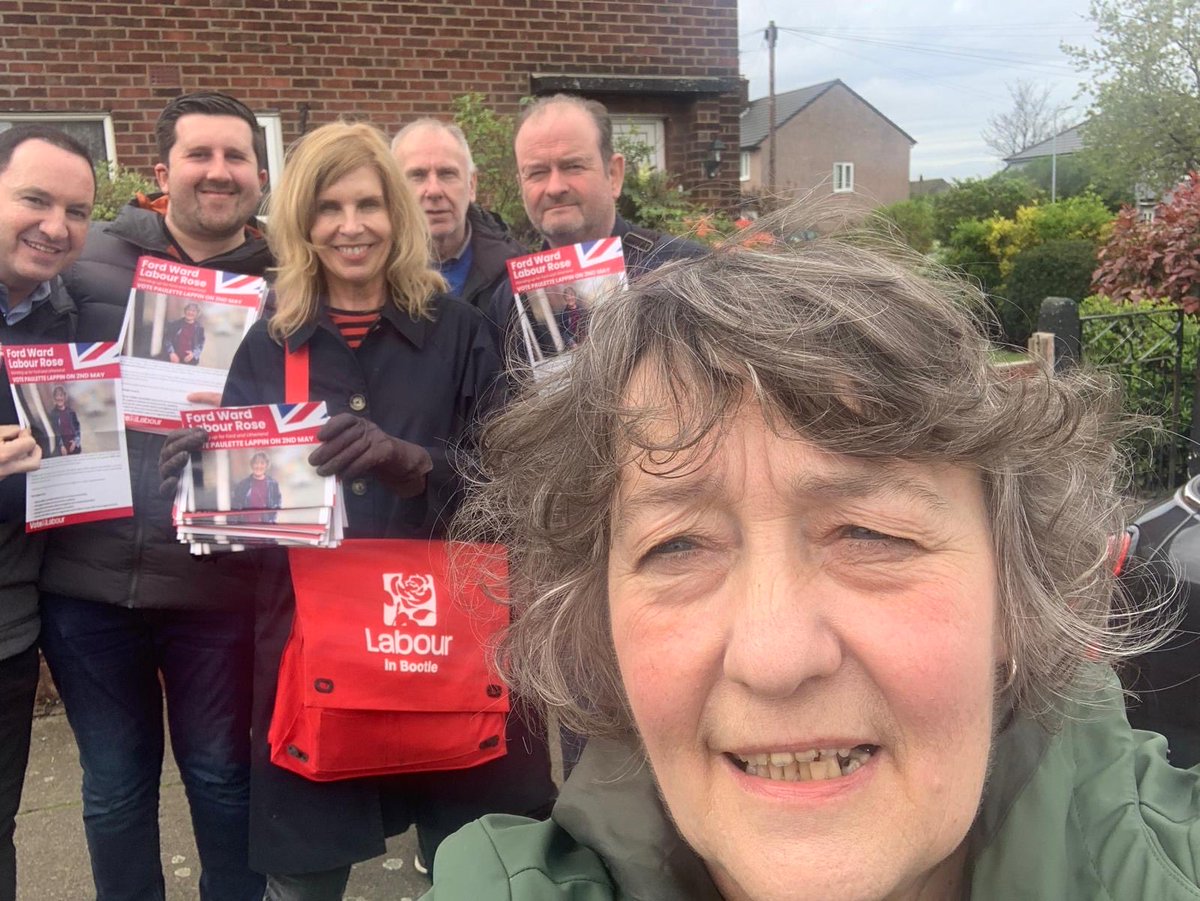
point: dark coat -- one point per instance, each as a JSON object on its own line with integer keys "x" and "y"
{"x": 171, "y": 340}
{"x": 241, "y": 495}
{"x": 491, "y": 248}
{"x": 137, "y": 561}
{"x": 61, "y": 441}
{"x": 426, "y": 382}
{"x": 51, "y": 321}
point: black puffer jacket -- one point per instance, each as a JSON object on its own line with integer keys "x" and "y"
{"x": 492, "y": 247}
{"x": 138, "y": 562}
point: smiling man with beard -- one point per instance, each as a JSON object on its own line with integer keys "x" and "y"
{"x": 125, "y": 607}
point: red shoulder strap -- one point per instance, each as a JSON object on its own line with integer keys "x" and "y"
{"x": 295, "y": 375}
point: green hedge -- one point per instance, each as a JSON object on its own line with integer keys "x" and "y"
{"x": 1054, "y": 269}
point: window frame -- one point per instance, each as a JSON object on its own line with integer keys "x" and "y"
{"x": 843, "y": 178}
{"x": 272, "y": 126}
{"x": 744, "y": 166}
{"x": 51, "y": 117}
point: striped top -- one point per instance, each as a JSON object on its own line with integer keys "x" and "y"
{"x": 354, "y": 325}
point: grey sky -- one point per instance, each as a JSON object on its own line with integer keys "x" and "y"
{"x": 936, "y": 69}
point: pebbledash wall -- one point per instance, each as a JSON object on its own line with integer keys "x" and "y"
{"x": 668, "y": 69}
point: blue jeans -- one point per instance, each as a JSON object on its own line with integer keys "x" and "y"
{"x": 107, "y": 662}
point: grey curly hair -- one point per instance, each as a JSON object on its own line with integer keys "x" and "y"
{"x": 862, "y": 356}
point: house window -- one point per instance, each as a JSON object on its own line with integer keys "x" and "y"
{"x": 648, "y": 131}
{"x": 843, "y": 177}
{"x": 273, "y": 132}
{"x": 93, "y": 130}
{"x": 744, "y": 173}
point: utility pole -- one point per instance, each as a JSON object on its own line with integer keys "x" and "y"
{"x": 771, "y": 35}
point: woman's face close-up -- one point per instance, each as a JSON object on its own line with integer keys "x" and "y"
{"x": 809, "y": 645}
{"x": 352, "y": 232}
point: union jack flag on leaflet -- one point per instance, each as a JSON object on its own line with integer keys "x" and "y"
{"x": 182, "y": 328}
{"x": 556, "y": 292}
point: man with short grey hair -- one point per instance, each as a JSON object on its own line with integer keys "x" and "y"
{"x": 470, "y": 246}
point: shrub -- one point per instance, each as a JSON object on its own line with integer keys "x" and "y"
{"x": 115, "y": 187}
{"x": 1159, "y": 258}
{"x": 967, "y": 252}
{"x": 909, "y": 220}
{"x": 653, "y": 199}
{"x": 491, "y": 139}
{"x": 1084, "y": 217}
{"x": 1053, "y": 269}
{"x": 981, "y": 198}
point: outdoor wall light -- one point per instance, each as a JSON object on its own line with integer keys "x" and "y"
{"x": 713, "y": 163}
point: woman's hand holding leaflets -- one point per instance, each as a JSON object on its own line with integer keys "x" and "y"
{"x": 180, "y": 445}
{"x": 352, "y": 446}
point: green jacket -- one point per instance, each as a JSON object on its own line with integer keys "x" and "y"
{"x": 1094, "y": 813}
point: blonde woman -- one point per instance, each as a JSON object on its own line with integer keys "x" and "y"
{"x": 405, "y": 371}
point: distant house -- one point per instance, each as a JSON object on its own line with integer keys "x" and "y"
{"x": 1062, "y": 144}
{"x": 829, "y": 141}
{"x": 928, "y": 187}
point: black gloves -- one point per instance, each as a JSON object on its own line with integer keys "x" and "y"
{"x": 352, "y": 446}
{"x": 174, "y": 456}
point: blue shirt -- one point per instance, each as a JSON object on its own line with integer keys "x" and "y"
{"x": 455, "y": 271}
{"x": 25, "y": 307}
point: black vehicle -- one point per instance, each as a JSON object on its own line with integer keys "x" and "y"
{"x": 1161, "y": 553}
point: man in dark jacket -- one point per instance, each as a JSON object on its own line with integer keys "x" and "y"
{"x": 125, "y": 607}
{"x": 470, "y": 245}
{"x": 570, "y": 180}
{"x": 46, "y": 194}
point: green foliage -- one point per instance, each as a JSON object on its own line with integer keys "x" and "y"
{"x": 980, "y": 198}
{"x": 1057, "y": 268}
{"x": 1143, "y": 75}
{"x": 1084, "y": 217}
{"x": 653, "y": 199}
{"x": 1075, "y": 174}
{"x": 910, "y": 220}
{"x": 1159, "y": 258}
{"x": 490, "y": 137}
{"x": 115, "y": 187}
{"x": 649, "y": 196}
{"x": 1140, "y": 352}
{"x": 968, "y": 253}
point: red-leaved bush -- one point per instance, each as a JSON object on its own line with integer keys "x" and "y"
{"x": 1159, "y": 259}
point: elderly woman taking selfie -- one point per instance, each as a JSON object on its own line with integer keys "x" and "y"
{"x": 830, "y": 594}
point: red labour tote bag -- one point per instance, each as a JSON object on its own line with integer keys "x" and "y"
{"x": 388, "y": 667}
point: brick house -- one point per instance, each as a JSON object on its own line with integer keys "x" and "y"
{"x": 829, "y": 141}
{"x": 104, "y": 70}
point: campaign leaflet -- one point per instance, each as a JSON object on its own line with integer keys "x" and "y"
{"x": 182, "y": 328}
{"x": 556, "y": 293}
{"x": 251, "y": 484}
{"x": 69, "y": 397}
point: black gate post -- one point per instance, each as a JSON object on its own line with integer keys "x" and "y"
{"x": 1060, "y": 315}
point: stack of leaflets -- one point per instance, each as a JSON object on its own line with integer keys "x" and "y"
{"x": 69, "y": 397}
{"x": 556, "y": 292}
{"x": 251, "y": 484}
{"x": 182, "y": 327}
